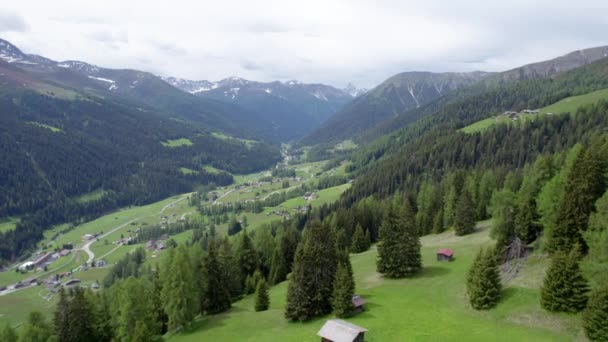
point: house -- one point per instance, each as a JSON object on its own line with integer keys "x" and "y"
{"x": 100, "y": 263}
{"x": 88, "y": 236}
{"x": 95, "y": 286}
{"x": 337, "y": 330}
{"x": 72, "y": 282}
{"x": 151, "y": 244}
{"x": 358, "y": 303}
{"x": 64, "y": 252}
{"x": 26, "y": 265}
{"x": 445, "y": 255}
{"x": 42, "y": 259}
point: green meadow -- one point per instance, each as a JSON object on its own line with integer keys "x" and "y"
{"x": 431, "y": 306}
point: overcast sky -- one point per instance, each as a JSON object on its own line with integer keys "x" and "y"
{"x": 323, "y": 41}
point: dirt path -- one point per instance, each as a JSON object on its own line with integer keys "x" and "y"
{"x": 225, "y": 194}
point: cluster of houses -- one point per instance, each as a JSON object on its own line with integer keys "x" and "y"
{"x": 514, "y": 116}
{"x": 309, "y": 196}
{"x": 157, "y": 245}
{"x": 41, "y": 261}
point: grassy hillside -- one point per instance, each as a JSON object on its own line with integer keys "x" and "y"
{"x": 567, "y": 105}
{"x": 429, "y": 307}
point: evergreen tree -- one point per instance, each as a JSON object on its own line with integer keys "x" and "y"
{"x": 399, "y": 247}
{"x": 36, "y": 329}
{"x": 8, "y": 334}
{"x": 158, "y": 311}
{"x": 595, "y": 316}
{"x": 61, "y": 320}
{"x": 217, "y": 297}
{"x": 483, "y": 281}
{"x": 438, "y": 224}
{"x": 584, "y": 186}
{"x": 178, "y": 294}
{"x": 131, "y": 304}
{"x": 487, "y": 186}
{"x": 564, "y": 287}
{"x": 503, "y": 218}
{"x": 81, "y": 326}
{"x": 309, "y": 291}
{"x": 527, "y": 226}
{"x": 344, "y": 288}
{"x": 360, "y": 242}
{"x": 465, "y": 219}
{"x": 262, "y": 301}
{"x": 248, "y": 257}
{"x": 230, "y": 269}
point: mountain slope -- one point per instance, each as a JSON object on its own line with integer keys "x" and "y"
{"x": 141, "y": 89}
{"x": 398, "y": 94}
{"x": 291, "y": 109}
{"x": 540, "y": 70}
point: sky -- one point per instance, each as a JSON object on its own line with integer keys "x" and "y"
{"x": 331, "y": 41}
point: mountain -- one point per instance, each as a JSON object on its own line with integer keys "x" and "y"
{"x": 386, "y": 112}
{"x": 398, "y": 94}
{"x": 354, "y": 91}
{"x": 291, "y": 108}
{"x": 139, "y": 88}
{"x": 70, "y": 128}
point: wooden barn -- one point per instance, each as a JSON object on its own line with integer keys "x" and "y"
{"x": 445, "y": 255}
{"x": 358, "y": 304}
{"x": 337, "y": 330}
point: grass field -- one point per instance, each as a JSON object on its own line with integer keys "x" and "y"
{"x": 567, "y": 105}
{"x": 177, "y": 142}
{"x": 8, "y": 223}
{"x": 223, "y": 136}
{"x": 91, "y": 196}
{"x": 431, "y": 306}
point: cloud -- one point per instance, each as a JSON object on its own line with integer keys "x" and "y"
{"x": 334, "y": 42}
{"x": 12, "y": 22}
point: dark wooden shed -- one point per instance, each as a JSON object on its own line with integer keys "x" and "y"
{"x": 358, "y": 304}
{"x": 337, "y": 330}
{"x": 445, "y": 255}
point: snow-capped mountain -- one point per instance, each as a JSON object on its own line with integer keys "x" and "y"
{"x": 289, "y": 105}
{"x": 354, "y": 91}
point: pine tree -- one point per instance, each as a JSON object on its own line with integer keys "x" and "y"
{"x": 230, "y": 269}
{"x": 399, "y": 247}
{"x": 438, "y": 226}
{"x": 483, "y": 281}
{"x": 217, "y": 297}
{"x": 61, "y": 320}
{"x": 8, "y": 334}
{"x": 344, "y": 289}
{"x": 595, "y": 316}
{"x": 248, "y": 256}
{"x": 262, "y": 301}
{"x": 464, "y": 218}
{"x": 564, "y": 287}
{"x": 360, "y": 242}
{"x": 310, "y": 288}
{"x": 179, "y": 295}
{"x": 527, "y": 224}
{"x": 159, "y": 313}
{"x": 36, "y": 329}
{"x": 585, "y": 184}
{"x": 81, "y": 320}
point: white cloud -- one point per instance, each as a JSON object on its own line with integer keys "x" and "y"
{"x": 314, "y": 41}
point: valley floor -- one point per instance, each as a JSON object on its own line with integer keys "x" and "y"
{"x": 429, "y": 307}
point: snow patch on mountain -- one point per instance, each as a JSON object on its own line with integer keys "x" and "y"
{"x": 101, "y": 79}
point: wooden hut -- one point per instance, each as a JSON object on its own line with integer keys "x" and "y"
{"x": 337, "y": 330}
{"x": 358, "y": 304}
{"x": 445, "y": 255}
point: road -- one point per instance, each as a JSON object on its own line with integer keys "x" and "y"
{"x": 225, "y": 194}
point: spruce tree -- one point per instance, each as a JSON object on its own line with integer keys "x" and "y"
{"x": 438, "y": 224}
{"x": 310, "y": 289}
{"x": 585, "y": 184}
{"x": 178, "y": 294}
{"x": 595, "y": 317}
{"x": 61, "y": 319}
{"x": 217, "y": 296}
{"x": 230, "y": 269}
{"x": 527, "y": 224}
{"x": 483, "y": 281}
{"x": 360, "y": 241}
{"x": 81, "y": 321}
{"x": 465, "y": 215}
{"x": 344, "y": 289}
{"x": 399, "y": 247}
{"x": 564, "y": 287}
{"x": 248, "y": 256}
{"x": 262, "y": 301}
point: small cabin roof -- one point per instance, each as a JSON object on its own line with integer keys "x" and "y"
{"x": 338, "y": 330}
{"x": 446, "y": 252}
